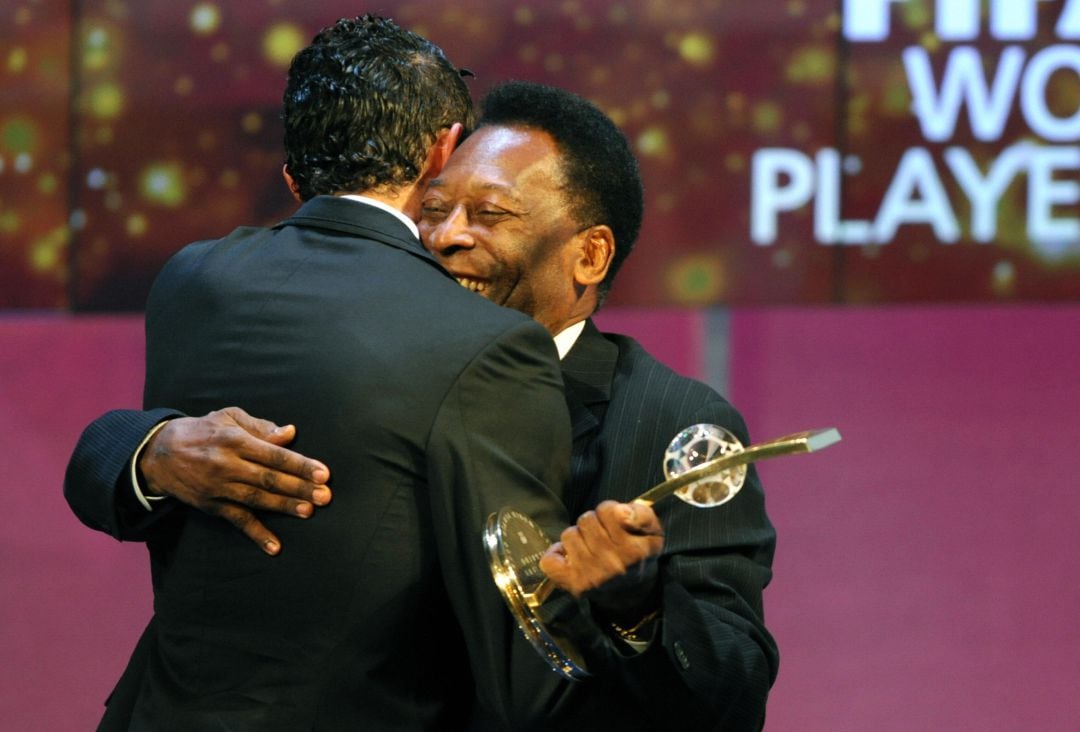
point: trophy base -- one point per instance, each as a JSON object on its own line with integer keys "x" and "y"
{"x": 515, "y": 544}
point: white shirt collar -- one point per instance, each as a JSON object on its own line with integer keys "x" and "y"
{"x": 385, "y": 207}
{"x": 567, "y": 337}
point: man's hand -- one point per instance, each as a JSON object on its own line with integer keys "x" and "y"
{"x": 610, "y": 554}
{"x": 228, "y": 463}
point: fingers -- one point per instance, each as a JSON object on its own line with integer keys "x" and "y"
{"x": 601, "y": 549}
{"x": 221, "y": 465}
{"x": 636, "y": 518}
{"x": 555, "y": 565}
{"x": 251, "y": 527}
{"x": 221, "y": 455}
{"x": 285, "y": 470}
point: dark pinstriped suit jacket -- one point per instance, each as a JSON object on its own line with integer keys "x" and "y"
{"x": 714, "y": 661}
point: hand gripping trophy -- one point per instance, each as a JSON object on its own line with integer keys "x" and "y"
{"x": 705, "y": 466}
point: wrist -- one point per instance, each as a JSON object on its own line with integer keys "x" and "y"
{"x": 144, "y": 493}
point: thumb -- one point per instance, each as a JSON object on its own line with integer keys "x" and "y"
{"x": 554, "y": 560}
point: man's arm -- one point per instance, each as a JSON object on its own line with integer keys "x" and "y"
{"x": 226, "y": 463}
{"x": 713, "y": 661}
{"x": 501, "y": 438}
{"x": 610, "y": 557}
{"x": 97, "y": 485}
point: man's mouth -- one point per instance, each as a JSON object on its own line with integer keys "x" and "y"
{"x": 468, "y": 283}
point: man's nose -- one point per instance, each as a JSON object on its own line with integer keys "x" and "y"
{"x": 452, "y": 234}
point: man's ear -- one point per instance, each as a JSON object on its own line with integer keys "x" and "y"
{"x": 446, "y": 141}
{"x": 291, "y": 183}
{"x": 594, "y": 255}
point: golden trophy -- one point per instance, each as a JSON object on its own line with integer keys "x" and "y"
{"x": 705, "y": 466}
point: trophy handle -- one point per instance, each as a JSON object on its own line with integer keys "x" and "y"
{"x": 788, "y": 445}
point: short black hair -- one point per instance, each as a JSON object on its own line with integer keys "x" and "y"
{"x": 603, "y": 183}
{"x": 363, "y": 104}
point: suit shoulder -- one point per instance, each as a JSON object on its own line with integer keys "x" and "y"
{"x": 662, "y": 391}
{"x": 637, "y": 365}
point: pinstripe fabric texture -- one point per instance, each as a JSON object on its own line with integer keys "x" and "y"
{"x": 715, "y": 661}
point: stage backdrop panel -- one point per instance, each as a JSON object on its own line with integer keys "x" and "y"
{"x": 926, "y": 573}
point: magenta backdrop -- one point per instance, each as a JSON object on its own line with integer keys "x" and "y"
{"x": 926, "y": 576}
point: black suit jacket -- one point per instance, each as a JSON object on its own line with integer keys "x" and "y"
{"x": 339, "y": 322}
{"x": 713, "y": 662}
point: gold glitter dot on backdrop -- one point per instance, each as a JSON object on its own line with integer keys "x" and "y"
{"x": 811, "y": 65}
{"x": 782, "y": 258}
{"x": 281, "y": 42}
{"x": 17, "y": 59}
{"x": 916, "y": 13}
{"x": 45, "y": 253}
{"x": 618, "y": 14}
{"x": 96, "y": 48}
{"x": 528, "y": 53}
{"x": 767, "y": 117}
{"x": 136, "y": 225}
{"x": 205, "y": 18}
{"x": 251, "y": 123}
{"x": 10, "y": 222}
{"x": 18, "y": 135}
{"x": 163, "y": 184}
{"x": 696, "y": 279}
{"x": 106, "y": 101}
{"x": 48, "y": 183}
{"x": 653, "y": 142}
{"x": 523, "y": 15}
{"x": 696, "y": 49}
{"x": 1003, "y": 279}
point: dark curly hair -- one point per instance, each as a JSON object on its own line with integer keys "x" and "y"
{"x": 364, "y": 103}
{"x": 603, "y": 183}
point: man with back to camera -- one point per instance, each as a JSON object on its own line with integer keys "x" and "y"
{"x": 338, "y": 321}
{"x": 500, "y": 218}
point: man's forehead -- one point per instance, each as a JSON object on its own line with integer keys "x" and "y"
{"x": 495, "y": 158}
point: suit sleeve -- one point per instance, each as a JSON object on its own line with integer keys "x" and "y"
{"x": 97, "y": 483}
{"x": 501, "y": 438}
{"x": 714, "y": 661}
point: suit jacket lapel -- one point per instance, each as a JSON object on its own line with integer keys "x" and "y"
{"x": 588, "y": 370}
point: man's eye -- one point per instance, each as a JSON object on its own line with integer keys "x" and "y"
{"x": 491, "y": 215}
{"x": 432, "y": 212}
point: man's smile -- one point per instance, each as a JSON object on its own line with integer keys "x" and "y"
{"x": 469, "y": 283}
